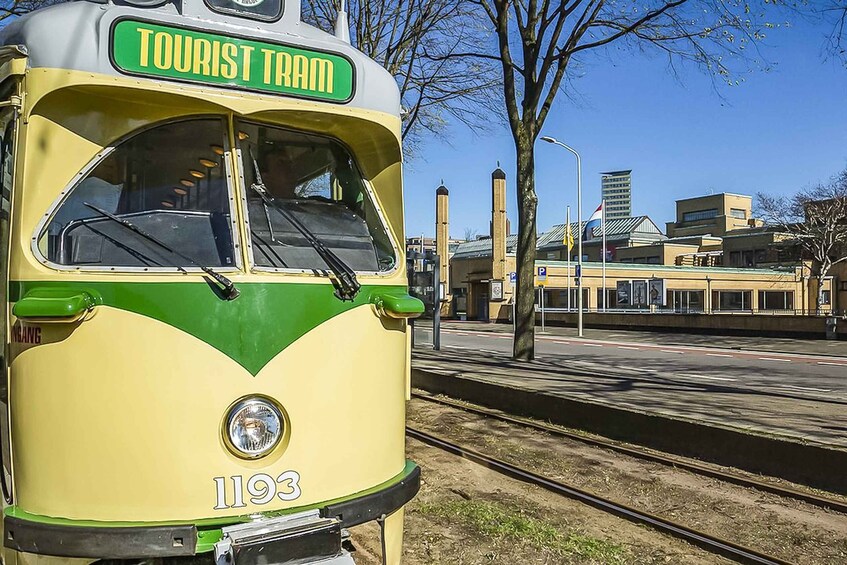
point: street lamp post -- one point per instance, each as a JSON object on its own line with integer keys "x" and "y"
{"x": 579, "y": 227}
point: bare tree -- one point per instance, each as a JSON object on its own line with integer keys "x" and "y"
{"x": 417, "y": 42}
{"x": 834, "y": 16}
{"x": 471, "y": 234}
{"x": 539, "y": 41}
{"x": 817, "y": 218}
{"x": 13, "y": 8}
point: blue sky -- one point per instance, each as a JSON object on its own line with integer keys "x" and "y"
{"x": 777, "y": 132}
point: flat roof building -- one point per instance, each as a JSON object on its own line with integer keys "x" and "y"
{"x": 715, "y": 214}
{"x": 616, "y": 187}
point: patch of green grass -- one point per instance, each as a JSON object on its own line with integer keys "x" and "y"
{"x": 500, "y": 522}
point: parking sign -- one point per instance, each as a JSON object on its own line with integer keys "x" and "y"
{"x": 542, "y": 273}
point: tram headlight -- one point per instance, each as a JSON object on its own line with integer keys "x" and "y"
{"x": 253, "y": 427}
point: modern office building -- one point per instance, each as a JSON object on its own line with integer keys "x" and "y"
{"x": 617, "y": 192}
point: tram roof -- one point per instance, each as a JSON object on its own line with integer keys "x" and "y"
{"x": 79, "y": 36}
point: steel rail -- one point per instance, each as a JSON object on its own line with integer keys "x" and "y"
{"x": 708, "y": 542}
{"x": 786, "y": 492}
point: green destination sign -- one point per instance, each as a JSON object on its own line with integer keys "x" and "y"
{"x": 160, "y": 51}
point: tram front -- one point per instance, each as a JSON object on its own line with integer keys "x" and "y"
{"x": 207, "y": 312}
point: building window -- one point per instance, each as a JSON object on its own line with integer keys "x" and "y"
{"x": 739, "y": 213}
{"x": 687, "y": 301}
{"x": 560, "y": 299}
{"x": 732, "y": 300}
{"x": 700, "y": 215}
{"x": 825, "y": 298}
{"x": 776, "y": 300}
{"x": 734, "y": 258}
{"x": 611, "y": 299}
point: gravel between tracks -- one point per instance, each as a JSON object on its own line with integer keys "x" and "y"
{"x": 468, "y": 514}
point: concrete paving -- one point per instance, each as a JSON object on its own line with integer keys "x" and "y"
{"x": 743, "y": 386}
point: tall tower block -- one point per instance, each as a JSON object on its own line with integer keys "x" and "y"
{"x": 616, "y": 187}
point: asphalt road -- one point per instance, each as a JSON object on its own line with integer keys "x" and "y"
{"x": 809, "y": 376}
{"x": 788, "y": 394}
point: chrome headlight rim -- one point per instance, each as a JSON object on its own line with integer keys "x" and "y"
{"x": 233, "y": 410}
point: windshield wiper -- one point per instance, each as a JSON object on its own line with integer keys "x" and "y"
{"x": 228, "y": 287}
{"x": 343, "y": 278}
{"x": 141, "y": 256}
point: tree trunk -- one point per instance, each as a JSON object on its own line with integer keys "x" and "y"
{"x": 524, "y": 342}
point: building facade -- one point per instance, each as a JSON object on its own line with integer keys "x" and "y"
{"x": 616, "y": 187}
{"x": 647, "y": 272}
{"x": 715, "y": 215}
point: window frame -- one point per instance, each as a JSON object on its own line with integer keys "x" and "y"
{"x": 9, "y": 90}
{"x": 247, "y": 15}
{"x": 371, "y": 193}
{"x": 102, "y": 155}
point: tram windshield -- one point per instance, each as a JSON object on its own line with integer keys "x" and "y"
{"x": 316, "y": 180}
{"x": 170, "y": 182}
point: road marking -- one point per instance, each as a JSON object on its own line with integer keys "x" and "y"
{"x": 709, "y": 378}
{"x": 629, "y": 348}
{"x": 717, "y": 355}
{"x": 808, "y": 389}
{"x": 774, "y": 359}
{"x": 590, "y": 345}
{"x": 669, "y": 351}
{"x": 833, "y": 364}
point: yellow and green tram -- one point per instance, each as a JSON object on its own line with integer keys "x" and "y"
{"x": 206, "y": 323}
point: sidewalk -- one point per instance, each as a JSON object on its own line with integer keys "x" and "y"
{"x": 762, "y": 431}
{"x": 744, "y": 343}
{"x": 794, "y": 416}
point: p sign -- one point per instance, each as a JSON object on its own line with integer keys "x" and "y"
{"x": 542, "y": 276}
{"x": 513, "y": 277}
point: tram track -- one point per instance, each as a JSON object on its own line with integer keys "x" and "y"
{"x": 703, "y": 540}
{"x": 644, "y": 455}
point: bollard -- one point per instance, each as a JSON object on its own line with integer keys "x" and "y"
{"x": 832, "y": 328}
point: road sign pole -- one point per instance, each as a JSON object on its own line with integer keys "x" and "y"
{"x": 543, "y": 328}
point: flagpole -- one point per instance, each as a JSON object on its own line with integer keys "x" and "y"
{"x": 603, "y": 220}
{"x": 568, "y": 245}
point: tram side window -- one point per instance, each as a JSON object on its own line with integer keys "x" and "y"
{"x": 316, "y": 179}
{"x": 168, "y": 181}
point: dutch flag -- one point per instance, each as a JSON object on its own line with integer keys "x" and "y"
{"x": 593, "y": 222}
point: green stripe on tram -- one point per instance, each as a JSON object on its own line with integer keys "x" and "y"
{"x": 251, "y": 330}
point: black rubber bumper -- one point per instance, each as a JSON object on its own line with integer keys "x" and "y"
{"x": 144, "y": 542}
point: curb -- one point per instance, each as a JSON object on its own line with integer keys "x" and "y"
{"x": 808, "y": 464}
